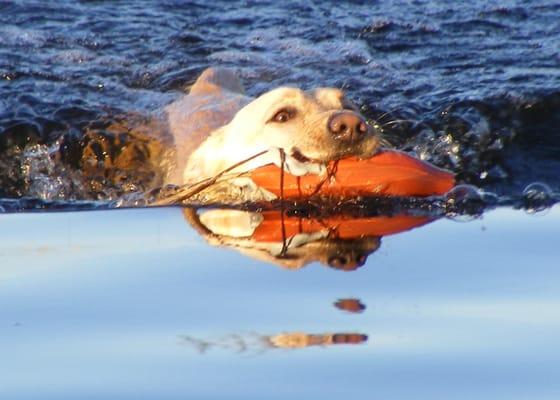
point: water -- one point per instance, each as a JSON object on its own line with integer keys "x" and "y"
{"x": 138, "y": 304}
{"x": 134, "y": 304}
{"x": 469, "y": 86}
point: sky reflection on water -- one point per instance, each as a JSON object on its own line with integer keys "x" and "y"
{"x": 118, "y": 307}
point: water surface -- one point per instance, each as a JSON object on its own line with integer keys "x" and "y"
{"x": 134, "y": 304}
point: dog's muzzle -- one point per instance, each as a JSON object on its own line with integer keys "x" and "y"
{"x": 347, "y": 126}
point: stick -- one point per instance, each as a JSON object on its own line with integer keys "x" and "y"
{"x": 196, "y": 188}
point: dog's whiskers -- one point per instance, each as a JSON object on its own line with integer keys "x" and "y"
{"x": 379, "y": 118}
{"x": 398, "y": 121}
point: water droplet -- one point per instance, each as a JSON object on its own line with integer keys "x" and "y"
{"x": 537, "y": 197}
{"x": 464, "y": 192}
{"x": 490, "y": 199}
{"x": 464, "y": 202}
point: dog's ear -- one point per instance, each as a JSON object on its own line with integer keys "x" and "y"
{"x": 216, "y": 80}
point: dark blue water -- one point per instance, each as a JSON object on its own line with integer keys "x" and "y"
{"x": 470, "y": 86}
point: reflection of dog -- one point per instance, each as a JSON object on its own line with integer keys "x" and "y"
{"x": 339, "y": 241}
{"x": 216, "y": 127}
{"x": 299, "y": 340}
{"x": 288, "y": 340}
{"x": 239, "y": 230}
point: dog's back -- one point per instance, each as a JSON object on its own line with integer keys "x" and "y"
{"x": 135, "y": 152}
{"x": 214, "y": 99}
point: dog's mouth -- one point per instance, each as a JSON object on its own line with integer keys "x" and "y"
{"x": 298, "y": 155}
{"x": 296, "y": 163}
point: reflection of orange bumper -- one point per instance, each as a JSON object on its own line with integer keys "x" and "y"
{"x": 298, "y": 340}
{"x": 270, "y": 229}
{"x": 388, "y": 173}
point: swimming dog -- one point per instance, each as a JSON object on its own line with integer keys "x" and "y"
{"x": 216, "y": 127}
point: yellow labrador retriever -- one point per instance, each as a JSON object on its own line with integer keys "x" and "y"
{"x": 217, "y": 127}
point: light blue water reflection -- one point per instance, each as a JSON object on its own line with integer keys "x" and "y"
{"x": 134, "y": 304}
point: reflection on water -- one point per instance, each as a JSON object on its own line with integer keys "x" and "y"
{"x": 261, "y": 343}
{"x": 350, "y": 305}
{"x": 117, "y": 304}
{"x": 296, "y": 340}
{"x": 285, "y": 340}
{"x": 339, "y": 241}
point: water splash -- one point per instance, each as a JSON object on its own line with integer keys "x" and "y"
{"x": 44, "y": 177}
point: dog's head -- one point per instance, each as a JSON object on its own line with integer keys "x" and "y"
{"x": 314, "y": 126}
{"x": 310, "y": 128}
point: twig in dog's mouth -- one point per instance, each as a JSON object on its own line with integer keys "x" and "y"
{"x": 188, "y": 191}
{"x": 195, "y": 188}
{"x": 331, "y": 172}
{"x": 282, "y": 166}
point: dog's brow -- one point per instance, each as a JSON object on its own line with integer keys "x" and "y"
{"x": 274, "y": 108}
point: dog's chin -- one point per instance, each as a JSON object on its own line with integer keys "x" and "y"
{"x": 295, "y": 162}
{"x": 298, "y": 168}
{"x": 298, "y": 164}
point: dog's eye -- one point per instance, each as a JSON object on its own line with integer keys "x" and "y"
{"x": 338, "y": 262}
{"x": 284, "y": 115}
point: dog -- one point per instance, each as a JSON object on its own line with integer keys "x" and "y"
{"x": 216, "y": 127}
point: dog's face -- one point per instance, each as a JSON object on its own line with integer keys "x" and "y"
{"x": 308, "y": 128}
{"x": 341, "y": 254}
{"x": 315, "y": 126}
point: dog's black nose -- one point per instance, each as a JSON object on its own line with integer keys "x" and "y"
{"x": 346, "y": 262}
{"x": 347, "y": 126}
